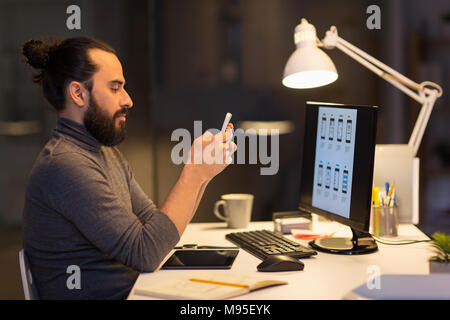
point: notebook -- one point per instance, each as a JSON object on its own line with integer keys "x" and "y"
{"x": 206, "y": 286}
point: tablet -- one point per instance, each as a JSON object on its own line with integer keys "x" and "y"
{"x": 201, "y": 259}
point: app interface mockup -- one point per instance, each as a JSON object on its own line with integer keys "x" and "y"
{"x": 333, "y": 167}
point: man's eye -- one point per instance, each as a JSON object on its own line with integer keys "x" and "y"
{"x": 115, "y": 89}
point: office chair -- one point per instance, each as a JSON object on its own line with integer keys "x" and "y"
{"x": 29, "y": 289}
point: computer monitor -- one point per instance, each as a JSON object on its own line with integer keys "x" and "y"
{"x": 337, "y": 171}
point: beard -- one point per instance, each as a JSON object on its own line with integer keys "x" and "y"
{"x": 102, "y": 126}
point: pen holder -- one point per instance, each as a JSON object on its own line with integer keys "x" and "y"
{"x": 384, "y": 221}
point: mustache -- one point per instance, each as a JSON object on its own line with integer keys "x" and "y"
{"x": 123, "y": 111}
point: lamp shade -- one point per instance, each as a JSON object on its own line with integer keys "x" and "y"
{"x": 308, "y": 66}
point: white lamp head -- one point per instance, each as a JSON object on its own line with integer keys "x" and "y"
{"x": 308, "y": 66}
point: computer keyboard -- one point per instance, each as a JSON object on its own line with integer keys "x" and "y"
{"x": 263, "y": 243}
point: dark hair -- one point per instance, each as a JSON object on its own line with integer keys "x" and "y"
{"x": 61, "y": 62}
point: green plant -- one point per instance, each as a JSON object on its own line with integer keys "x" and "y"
{"x": 441, "y": 245}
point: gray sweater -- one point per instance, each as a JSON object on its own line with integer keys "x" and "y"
{"x": 83, "y": 207}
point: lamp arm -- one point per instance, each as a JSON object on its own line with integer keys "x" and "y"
{"x": 422, "y": 121}
{"x": 387, "y": 70}
{"x": 425, "y": 96}
{"x": 388, "y": 77}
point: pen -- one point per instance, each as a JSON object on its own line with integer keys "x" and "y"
{"x": 389, "y": 195}
{"x": 387, "y": 187}
{"x": 376, "y": 196}
{"x": 373, "y": 195}
{"x": 313, "y": 236}
{"x": 382, "y": 197}
{"x": 220, "y": 283}
{"x": 390, "y": 190}
{"x": 393, "y": 197}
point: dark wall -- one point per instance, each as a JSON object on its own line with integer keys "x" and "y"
{"x": 214, "y": 57}
{"x": 229, "y": 56}
{"x": 197, "y": 60}
{"x": 123, "y": 25}
{"x": 187, "y": 60}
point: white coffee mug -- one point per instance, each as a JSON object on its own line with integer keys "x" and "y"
{"x": 237, "y": 208}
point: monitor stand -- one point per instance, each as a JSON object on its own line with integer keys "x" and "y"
{"x": 361, "y": 243}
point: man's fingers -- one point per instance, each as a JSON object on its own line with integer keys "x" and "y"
{"x": 219, "y": 137}
{"x": 207, "y": 136}
{"x": 223, "y": 136}
{"x": 230, "y": 146}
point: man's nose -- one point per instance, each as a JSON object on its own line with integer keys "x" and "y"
{"x": 126, "y": 102}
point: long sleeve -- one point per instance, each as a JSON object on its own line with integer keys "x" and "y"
{"x": 82, "y": 192}
{"x": 142, "y": 206}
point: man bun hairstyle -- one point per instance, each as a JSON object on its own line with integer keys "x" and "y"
{"x": 36, "y": 52}
{"x": 60, "y": 62}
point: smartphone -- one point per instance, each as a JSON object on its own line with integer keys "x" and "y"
{"x": 336, "y": 179}
{"x": 319, "y": 175}
{"x": 340, "y": 129}
{"x": 328, "y": 177}
{"x": 323, "y": 126}
{"x": 226, "y": 121}
{"x": 345, "y": 181}
{"x": 348, "y": 135}
{"x": 201, "y": 259}
{"x": 331, "y": 129}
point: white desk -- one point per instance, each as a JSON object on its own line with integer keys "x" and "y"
{"x": 325, "y": 276}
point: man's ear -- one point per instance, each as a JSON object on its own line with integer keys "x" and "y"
{"x": 78, "y": 93}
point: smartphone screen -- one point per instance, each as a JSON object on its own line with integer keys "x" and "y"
{"x": 340, "y": 129}
{"x": 323, "y": 127}
{"x": 345, "y": 182}
{"x": 331, "y": 129}
{"x": 328, "y": 177}
{"x": 348, "y": 136}
{"x": 336, "y": 179}
{"x": 319, "y": 176}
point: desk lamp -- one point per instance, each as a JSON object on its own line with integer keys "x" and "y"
{"x": 310, "y": 67}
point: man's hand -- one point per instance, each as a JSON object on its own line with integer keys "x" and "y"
{"x": 210, "y": 154}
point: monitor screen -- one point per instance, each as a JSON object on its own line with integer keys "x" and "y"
{"x": 337, "y": 167}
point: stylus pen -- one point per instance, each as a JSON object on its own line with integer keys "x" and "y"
{"x": 226, "y": 121}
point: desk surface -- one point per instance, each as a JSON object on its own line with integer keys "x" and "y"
{"x": 325, "y": 276}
